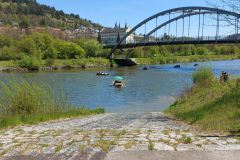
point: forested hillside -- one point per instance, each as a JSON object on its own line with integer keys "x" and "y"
{"x": 29, "y": 13}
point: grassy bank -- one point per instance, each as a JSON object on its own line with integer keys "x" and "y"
{"x": 103, "y": 62}
{"x": 209, "y": 104}
{"x": 58, "y": 63}
{"x": 23, "y": 102}
{"x": 185, "y": 59}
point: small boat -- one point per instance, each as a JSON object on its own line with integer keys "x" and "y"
{"x": 195, "y": 65}
{"x": 102, "y": 74}
{"x": 118, "y": 82}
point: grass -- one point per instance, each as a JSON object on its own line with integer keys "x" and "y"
{"x": 7, "y": 64}
{"x": 184, "y": 59}
{"x": 130, "y": 144}
{"x": 212, "y": 107}
{"x": 119, "y": 133}
{"x": 186, "y": 140}
{"x": 150, "y": 146}
{"x": 203, "y": 76}
{"x": 105, "y": 145}
{"x": 81, "y": 62}
{"x": 59, "y": 148}
{"x": 24, "y": 102}
{"x": 64, "y": 63}
{"x": 103, "y": 62}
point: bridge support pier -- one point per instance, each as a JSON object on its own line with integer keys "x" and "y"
{"x": 125, "y": 62}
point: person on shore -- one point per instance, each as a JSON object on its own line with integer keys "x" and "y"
{"x": 224, "y": 77}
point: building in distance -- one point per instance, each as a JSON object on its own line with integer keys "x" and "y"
{"x": 110, "y": 36}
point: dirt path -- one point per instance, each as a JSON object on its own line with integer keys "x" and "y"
{"x": 97, "y": 136}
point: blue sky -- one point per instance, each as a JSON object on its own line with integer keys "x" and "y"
{"x": 107, "y": 12}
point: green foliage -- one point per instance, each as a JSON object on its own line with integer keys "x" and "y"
{"x": 184, "y": 50}
{"x": 5, "y": 41}
{"x": 186, "y": 140}
{"x": 212, "y": 108}
{"x": 28, "y": 46}
{"x": 31, "y": 63}
{"x": 203, "y": 76}
{"x": 136, "y": 53}
{"x": 91, "y": 47}
{"x": 49, "y": 62}
{"x": 24, "y": 102}
{"x": 69, "y": 50}
{"x": 8, "y": 53}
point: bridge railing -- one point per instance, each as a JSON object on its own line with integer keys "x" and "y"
{"x": 182, "y": 39}
{"x": 225, "y": 38}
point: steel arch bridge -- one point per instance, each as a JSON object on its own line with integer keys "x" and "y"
{"x": 185, "y": 12}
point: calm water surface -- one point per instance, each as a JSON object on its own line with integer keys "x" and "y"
{"x": 146, "y": 91}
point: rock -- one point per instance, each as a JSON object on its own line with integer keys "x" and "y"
{"x": 231, "y": 140}
{"x": 163, "y": 147}
{"x": 179, "y": 136}
{"x": 172, "y": 135}
{"x": 187, "y": 147}
{"x": 145, "y": 68}
{"x": 118, "y": 149}
{"x": 177, "y": 66}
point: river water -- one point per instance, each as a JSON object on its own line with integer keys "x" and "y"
{"x": 146, "y": 91}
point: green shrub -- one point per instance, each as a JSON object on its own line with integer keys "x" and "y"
{"x": 49, "y": 62}
{"x": 31, "y": 63}
{"x": 203, "y": 76}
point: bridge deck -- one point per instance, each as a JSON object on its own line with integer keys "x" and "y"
{"x": 131, "y": 45}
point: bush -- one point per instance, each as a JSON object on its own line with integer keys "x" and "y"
{"x": 69, "y": 50}
{"x": 201, "y": 51}
{"x": 203, "y": 76}
{"x": 49, "y": 62}
{"x": 8, "y": 53}
{"x": 91, "y": 47}
{"x": 31, "y": 63}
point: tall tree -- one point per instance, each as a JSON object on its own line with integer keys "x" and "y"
{"x": 231, "y": 5}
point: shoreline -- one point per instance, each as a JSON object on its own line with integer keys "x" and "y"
{"x": 61, "y": 65}
{"x": 59, "y": 68}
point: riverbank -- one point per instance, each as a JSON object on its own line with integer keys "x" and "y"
{"x": 57, "y": 64}
{"x": 185, "y": 59}
{"x": 64, "y": 64}
{"x": 210, "y": 105}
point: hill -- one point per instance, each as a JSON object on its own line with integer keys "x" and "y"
{"x": 29, "y": 13}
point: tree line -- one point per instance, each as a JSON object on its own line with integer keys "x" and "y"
{"x": 31, "y": 49}
{"x": 183, "y": 50}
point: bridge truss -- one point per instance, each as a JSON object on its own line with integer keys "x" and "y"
{"x": 182, "y": 14}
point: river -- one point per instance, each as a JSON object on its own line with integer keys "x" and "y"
{"x": 146, "y": 91}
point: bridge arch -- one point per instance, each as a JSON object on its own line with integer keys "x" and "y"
{"x": 186, "y": 11}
